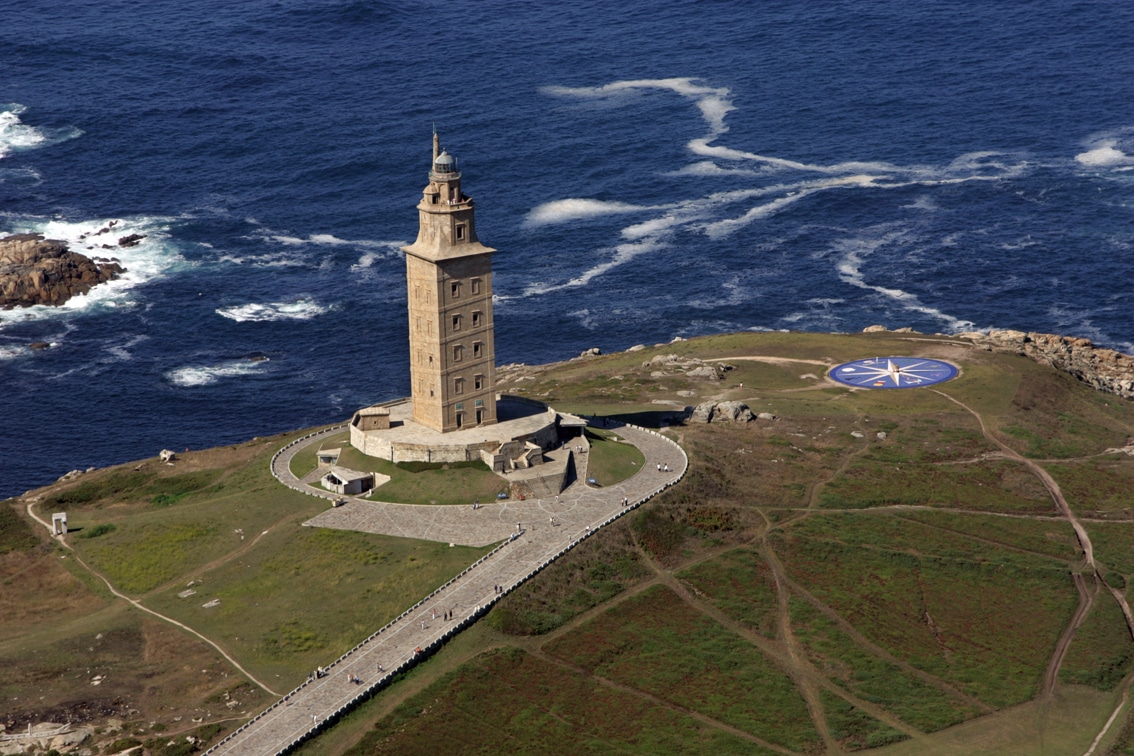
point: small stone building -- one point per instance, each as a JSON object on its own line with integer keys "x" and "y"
{"x": 371, "y": 418}
{"x": 347, "y": 482}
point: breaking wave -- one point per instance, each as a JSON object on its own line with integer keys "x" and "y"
{"x": 206, "y": 375}
{"x": 15, "y": 135}
{"x": 152, "y": 257}
{"x": 301, "y": 309}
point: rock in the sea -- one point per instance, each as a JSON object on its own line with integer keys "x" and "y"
{"x": 39, "y": 345}
{"x": 38, "y": 271}
{"x": 132, "y": 240}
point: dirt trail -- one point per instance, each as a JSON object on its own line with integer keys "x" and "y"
{"x": 607, "y": 682}
{"x": 1085, "y": 598}
{"x": 882, "y": 653}
{"x": 63, "y": 542}
{"x": 1057, "y": 495}
{"x": 788, "y": 655}
{"x": 1085, "y": 601}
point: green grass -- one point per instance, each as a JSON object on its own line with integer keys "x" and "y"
{"x": 595, "y": 571}
{"x": 853, "y": 728}
{"x": 888, "y": 579}
{"x": 459, "y": 483}
{"x": 1053, "y": 537}
{"x": 739, "y": 583}
{"x": 1098, "y": 487}
{"x": 305, "y": 595}
{"x": 486, "y": 706}
{"x": 991, "y": 486}
{"x": 905, "y": 695}
{"x": 1102, "y": 652}
{"x": 612, "y": 461}
{"x": 304, "y": 460}
{"x": 16, "y": 533}
{"x": 657, "y": 643}
{"x": 1112, "y": 545}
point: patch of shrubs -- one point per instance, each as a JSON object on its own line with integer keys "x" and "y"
{"x": 97, "y": 530}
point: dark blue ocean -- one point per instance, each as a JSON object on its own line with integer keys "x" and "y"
{"x": 647, "y": 170}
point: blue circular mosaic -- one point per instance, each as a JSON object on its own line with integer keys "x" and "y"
{"x": 893, "y": 372}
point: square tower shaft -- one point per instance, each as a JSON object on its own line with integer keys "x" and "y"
{"x": 449, "y": 282}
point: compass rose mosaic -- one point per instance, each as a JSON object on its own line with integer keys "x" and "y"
{"x": 893, "y": 372}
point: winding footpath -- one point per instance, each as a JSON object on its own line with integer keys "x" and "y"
{"x": 534, "y": 533}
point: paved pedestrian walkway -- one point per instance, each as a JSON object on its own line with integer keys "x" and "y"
{"x": 530, "y": 542}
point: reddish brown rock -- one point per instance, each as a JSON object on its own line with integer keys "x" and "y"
{"x": 34, "y": 270}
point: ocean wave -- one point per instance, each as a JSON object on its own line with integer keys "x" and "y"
{"x": 301, "y": 309}
{"x": 151, "y": 258}
{"x": 564, "y": 210}
{"x": 1109, "y": 149}
{"x": 15, "y": 135}
{"x": 206, "y": 375}
{"x": 1104, "y": 157}
{"x": 23, "y": 176}
{"x": 854, "y": 252}
{"x": 703, "y": 214}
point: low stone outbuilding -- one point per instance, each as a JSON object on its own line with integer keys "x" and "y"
{"x": 371, "y": 418}
{"x": 347, "y": 482}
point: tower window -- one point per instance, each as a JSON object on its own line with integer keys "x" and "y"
{"x": 460, "y": 419}
{"x": 461, "y": 231}
{"x": 476, "y": 318}
{"x": 458, "y": 353}
{"x": 456, "y": 322}
{"x": 458, "y": 386}
{"x": 478, "y": 384}
{"x": 476, "y": 286}
{"x": 455, "y": 289}
{"x": 460, "y": 405}
{"x": 476, "y": 349}
{"x": 480, "y": 402}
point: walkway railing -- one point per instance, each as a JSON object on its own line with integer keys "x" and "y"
{"x": 290, "y": 741}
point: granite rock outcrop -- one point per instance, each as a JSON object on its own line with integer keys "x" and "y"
{"x": 1101, "y": 368}
{"x": 39, "y": 271}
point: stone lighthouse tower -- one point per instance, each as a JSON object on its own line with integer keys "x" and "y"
{"x": 449, "y": 288}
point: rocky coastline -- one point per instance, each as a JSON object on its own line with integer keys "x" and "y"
{"x": 1101, "y": 368}
{"x": 39, "y": 271}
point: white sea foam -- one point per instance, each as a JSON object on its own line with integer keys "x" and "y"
{"x": 564, "y": 210}
{"x": 849, "y": 267}
{"x": 205, "y": 375}
{"x": 300, "y": 309}
{"x": 15, "y": 135}
{"x": 703, "y": 214}
{"x": 153, "y": 257}
{"x": 1104, "y": 157}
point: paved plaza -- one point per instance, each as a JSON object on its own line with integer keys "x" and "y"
{"x": 530, "y": 542}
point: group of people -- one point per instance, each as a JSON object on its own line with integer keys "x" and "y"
{"x": 663, "y": 467}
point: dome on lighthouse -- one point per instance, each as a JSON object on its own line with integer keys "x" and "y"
{"x": 445, "y": 163}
